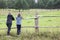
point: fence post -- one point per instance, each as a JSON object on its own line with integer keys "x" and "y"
{"x": 36, "y": 23}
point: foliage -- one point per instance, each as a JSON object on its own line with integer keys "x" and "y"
{"x": 28, "y": 4}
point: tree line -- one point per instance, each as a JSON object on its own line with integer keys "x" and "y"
{"x": 30, "y": 4}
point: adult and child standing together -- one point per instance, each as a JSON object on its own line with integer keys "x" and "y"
{"x": 10, "y": 18}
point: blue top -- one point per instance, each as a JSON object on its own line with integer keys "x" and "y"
{"x": 18, "y": 20}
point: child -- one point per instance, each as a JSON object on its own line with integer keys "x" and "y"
{"x": 18, "y": 23}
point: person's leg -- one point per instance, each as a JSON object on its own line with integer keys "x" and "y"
{"x": 9, "y": 28}
{"x": 18, "y": 29}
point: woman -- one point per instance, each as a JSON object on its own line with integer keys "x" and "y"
{"x": 18, "y": 23}
{"x": 10, "y": 18}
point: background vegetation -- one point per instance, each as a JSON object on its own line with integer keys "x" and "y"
{"x": 28, "y": 4}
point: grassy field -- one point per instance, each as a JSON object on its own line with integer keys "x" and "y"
{"x": 43, "y": 21}
{"x": 29, "y": 33}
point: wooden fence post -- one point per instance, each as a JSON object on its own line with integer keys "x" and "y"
{"x": 36, "y": 23}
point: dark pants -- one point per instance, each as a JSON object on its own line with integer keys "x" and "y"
{"x": 18, "y": 29}
{"x": 9, "y": 28}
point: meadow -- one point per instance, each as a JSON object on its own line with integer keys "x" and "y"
{"x": 48, "y": 33}
{"x": 43, "y": 21}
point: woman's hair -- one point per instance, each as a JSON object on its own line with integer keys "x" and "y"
{"x": 19, "y": 15}
{"x": 9, "y": 13}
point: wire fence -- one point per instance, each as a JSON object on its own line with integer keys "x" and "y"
{"x": 1, "y": 21}
{"x": 31, "y": 27}
{"x": 39, "y": 16}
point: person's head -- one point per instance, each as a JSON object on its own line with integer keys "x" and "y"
{"x": 19, "y": 15}
{"x": 9, "y": 13}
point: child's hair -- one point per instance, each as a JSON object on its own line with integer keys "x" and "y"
{"x": 19, "y": 15}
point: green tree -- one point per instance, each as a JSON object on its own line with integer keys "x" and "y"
{"x": 2, "y": 4}
{"x": 21, "y": 4}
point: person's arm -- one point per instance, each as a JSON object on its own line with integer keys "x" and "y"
{"x": 13, "y": 18}
{"x": 31, "y": 18}
{"x": 22, "y": 17}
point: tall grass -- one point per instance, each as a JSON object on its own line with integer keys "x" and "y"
{"x": 25, "y": 35}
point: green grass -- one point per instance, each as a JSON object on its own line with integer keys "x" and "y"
{"x": 29, "y": 33}
{"x": 43, "y": 21}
